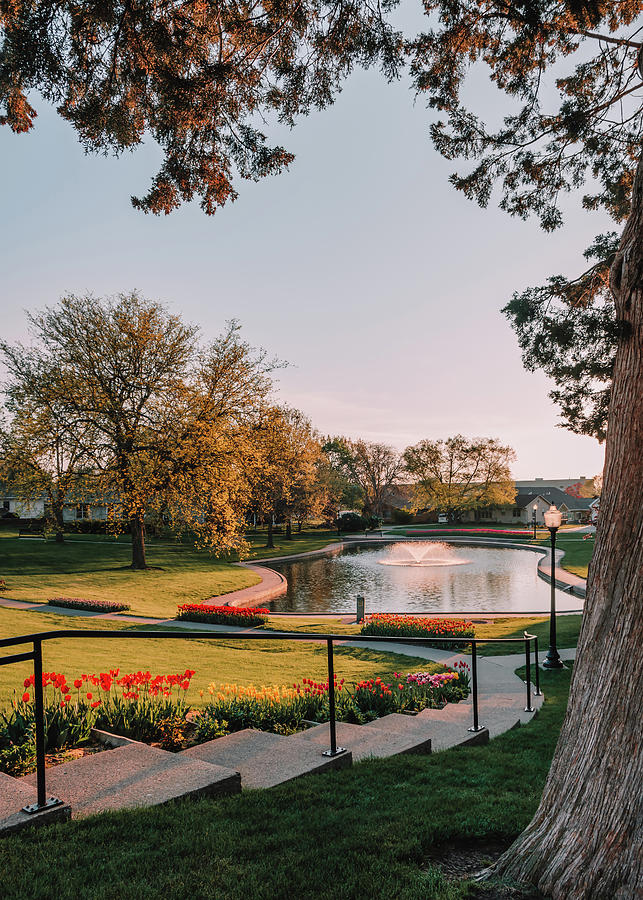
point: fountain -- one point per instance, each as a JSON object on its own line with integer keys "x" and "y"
{"x": 416, "y": 553}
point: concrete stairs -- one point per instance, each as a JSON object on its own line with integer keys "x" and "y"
{"x": 265, "y": 760}
{"x": 132, "y": 774}
{"x": 16, "y": 793}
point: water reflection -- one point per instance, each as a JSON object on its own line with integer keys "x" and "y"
{"x": 494, "y": 580}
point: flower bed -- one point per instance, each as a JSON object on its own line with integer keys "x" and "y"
{"x": 505, "y": 531}
{"x": 223, "y": 615}
{"x": 392, "y": 625}
{"x": 92, "y": 605}
{"x": 286, "y": 709}
{"x": 154, "y": 708}
{"x": 136, "y": 705}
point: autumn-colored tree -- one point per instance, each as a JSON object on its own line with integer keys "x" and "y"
{"x": 459, "y": 474}
{"x": 284, "y": 482}
{"x": 43, "y": 458}
{"x": 373, "y": 468}
{"x": 170, "y": 420}
{"x": 586, "y": 838}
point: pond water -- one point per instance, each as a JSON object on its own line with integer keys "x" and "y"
{"x": 395, "y": 578}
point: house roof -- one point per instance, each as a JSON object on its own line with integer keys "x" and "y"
{"x": 553, "y": 495}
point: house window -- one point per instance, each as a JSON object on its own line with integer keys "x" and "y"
{"x": 516, "y": 513}
{"x": 82, "y": 511}
{"x": 5, "y": 504}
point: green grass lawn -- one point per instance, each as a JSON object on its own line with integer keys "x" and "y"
{"x": 35, "y": 571}
{"x": 300, "y": 543}
{"x": 374, "y": 831}
{"x": 242, "y": 662}
{"x": 578, "y": 552}
{"x": 95, "y": 567}
{"x": 567, "y": 630}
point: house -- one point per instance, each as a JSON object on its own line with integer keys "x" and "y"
{"x": 38, "y": 507}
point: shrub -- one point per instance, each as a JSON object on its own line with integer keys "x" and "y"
{"x": 222, "y": 615}
{"x": 352, "y": 522}
{"x": 402, "y": 517}
{"x": 92, "y": 605}
{"x": 392, "y": 625}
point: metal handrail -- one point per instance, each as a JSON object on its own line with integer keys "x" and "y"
{"x": 38, "y": 638}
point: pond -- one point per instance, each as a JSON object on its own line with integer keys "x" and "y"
{"x": 397, "y": 577}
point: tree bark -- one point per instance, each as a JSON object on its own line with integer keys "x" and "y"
{"x": 586, "y": 839}
{"x": 288, "y": 535}
{"x": 271, "y": 544}
{"x": 57, "y": 506}
{"x": 137, "y": 527}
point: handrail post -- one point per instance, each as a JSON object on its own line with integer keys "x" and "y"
{"x": 474, "y": 684}
{"x": 334, "y": 749}
{"x": 529, "y": 707}
{"x": 42, "y": 801}
{"x": 539, "y": 693}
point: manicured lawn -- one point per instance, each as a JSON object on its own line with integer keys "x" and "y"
{"x": 35, "y": 571}
{"x": 371, "y": 832}
{"x": 300, "y": 543}
{"x": 567, "y": 630}
{"x": 249, "y": 662}
{"x": 97, "y": 568}
{"x": 578, "y": 552}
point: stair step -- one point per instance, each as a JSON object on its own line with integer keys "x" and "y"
{"x": 365, "y": 742}
{"x": 135, "y": 775}
{"x": 400, "y": 724}
{"x": 265, "y": 760}
{"x": 14, "y": 794}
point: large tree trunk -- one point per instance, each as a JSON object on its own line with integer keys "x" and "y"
{"x": 586, "y": 839}
{"x": 137, "y": 527}
{"x": 270, "y": 544}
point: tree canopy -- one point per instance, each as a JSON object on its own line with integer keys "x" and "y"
{"x": 170, "y": 421}
{"x": 197, "y": 76}
{"x": 459, "y": 474}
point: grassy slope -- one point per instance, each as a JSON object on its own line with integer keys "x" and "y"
{"x": 568, "y": 628}
{"x": 578, "y": 552}
{"x": 258, "y": 662}
{"x": 367, "y": 832}
{"x": 95, "y": 568}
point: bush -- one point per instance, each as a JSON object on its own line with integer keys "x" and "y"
{"x": 92, "y": 605}
{"x": 223, "y": 615}
{"x": 352, "y": 522}
{"x": 401, "y": 517}
{"x": 391, "y": 625}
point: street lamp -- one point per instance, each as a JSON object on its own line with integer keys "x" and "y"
{"x": 534, "y": 519}
{"x": 339, "y": 530}
{"x": 553, "y": 518}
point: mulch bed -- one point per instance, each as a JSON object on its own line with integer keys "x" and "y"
{"x": 467, "y": 859}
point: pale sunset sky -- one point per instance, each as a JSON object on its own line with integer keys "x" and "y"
{"x": 361, "y": 266}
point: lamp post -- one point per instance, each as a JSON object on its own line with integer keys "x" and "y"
{"x": 339, "y": 530}
{"x": 553, "y": 518}
{"x": 535, "y": 507}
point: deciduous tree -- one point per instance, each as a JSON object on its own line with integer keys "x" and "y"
{"x": 170, "y": 420}
{"x": 459, "y": 474}
{"x": 372, "y": 467}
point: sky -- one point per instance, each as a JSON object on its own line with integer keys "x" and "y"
{"x": 361, "y": 267}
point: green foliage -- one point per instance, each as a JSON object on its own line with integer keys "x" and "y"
{"x": 568, "y": 329}
{"x": 198, "y": 83}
